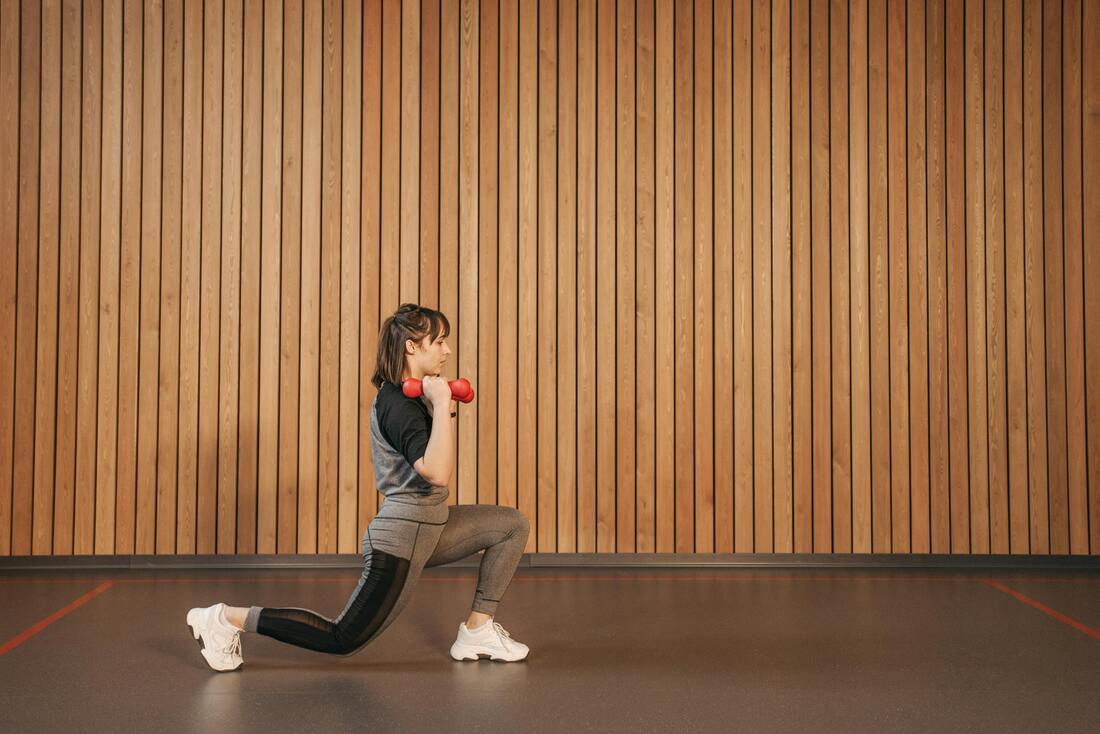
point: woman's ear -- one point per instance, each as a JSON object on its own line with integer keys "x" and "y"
{"x": 410, "y": 346}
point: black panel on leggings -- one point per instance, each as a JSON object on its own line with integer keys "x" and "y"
{"x": 365, "y": 613}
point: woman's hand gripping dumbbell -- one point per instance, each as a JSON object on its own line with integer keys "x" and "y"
{"x": 460, "y": 389}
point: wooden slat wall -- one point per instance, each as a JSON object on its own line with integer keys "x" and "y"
{"x": 760, "y": 276}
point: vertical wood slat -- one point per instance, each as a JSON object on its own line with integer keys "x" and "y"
{"x": 148, "y": 365}
{"x": 1090, "y": 184}
{"x": 450, "y": 207}
{"x": 1053, "y": 271}
{"x": 331, "y": 54}
{"x": 430, "y": 69}
{"x": 508, "y": 239}
{"x": 782, "y": 394}
{"x": 1034, "y": 300}
{"x": 702, "y": 278}
{"x": 290, "y": 315}
{"x": 723, "y": 281}
{"x": 409, "y": 148}
{"x": 858, "y": 252}
{"x": 528, "y": 264}
{"x": 959, "y": 466}
{"x": 485, "y": 469}
{"x": 370, "y": 243}
{"x": 246, "y": 538}
{"x": 508, "y": 275}
{"x": 9, "y": 230}
{"x": 167, "y": 396}
{"x": 917, "y": 203}
{"x": 64, "y": 489}
{"x": 189, "y": 347}
{"x": 743, "y": 458}
{"x": 586, "y": 279}
{"x": 1015, "y": 333}
{"x": 762, "y": 372}
{"x": 312, "y": 243}
{"x": 897, "y": 296}
{"x": 939, "y": 447}
{"x": 129, "y": 277}
{"x": 390, "y": 112}
{"x": 1076, "y": 411}
{"x": 820, "y": 281}
{"x": 566, "y": 318}
{"x": 210, "y": 292}
{"x": 464, "y": 478}
{"x": 190, "y": 278}
{"x": 839, "y": 286}
{"x": 682, "y": 288}
{"x": 168, "y": 393}
{"x": 110, "y": 242}
{"x": 664, "y": 227}
{"x": 625, "y": 310}
{"x": 975, "y": 324}
{"x": 606, "y": 366}
{"x": 878, "y": 230}
{"x": 801, "y": 279}
{"x": 994, "y": 142}
{"x": 244, "y": 502}
{"x": 547, "y": 359}
{"x": 351, "y": 93}
{"x": 645, "y": 489}
{"x": 271, "y": 274}
{"x": 229, "y": 325}
{"x": 47, "y": 327}
{"x": 26, "y": 299}
{"x": 9, "y": 223}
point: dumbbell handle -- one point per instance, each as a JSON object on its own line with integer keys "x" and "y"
{"x": 460, "y": 389}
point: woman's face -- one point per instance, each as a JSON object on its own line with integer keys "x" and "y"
{"x": 428, "y": 356}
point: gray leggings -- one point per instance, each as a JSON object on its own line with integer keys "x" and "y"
{"x": 395, "y": 551}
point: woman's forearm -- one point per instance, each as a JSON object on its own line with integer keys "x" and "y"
{"x": 439, "y": 457}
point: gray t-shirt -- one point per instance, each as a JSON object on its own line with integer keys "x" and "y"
{"x": 400, "y": 429}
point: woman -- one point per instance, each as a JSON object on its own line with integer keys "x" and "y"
{"x": 414, "y": 456}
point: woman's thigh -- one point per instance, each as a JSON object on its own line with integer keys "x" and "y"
{"x": 471, "y": 528}
{"x": 395, "y": 536}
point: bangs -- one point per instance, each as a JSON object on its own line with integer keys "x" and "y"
{"x": 437, "y": 323}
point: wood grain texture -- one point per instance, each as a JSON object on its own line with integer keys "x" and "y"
{"x": 750, "y": 276}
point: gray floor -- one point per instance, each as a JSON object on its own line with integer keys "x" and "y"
{"x": 661, "y": 649}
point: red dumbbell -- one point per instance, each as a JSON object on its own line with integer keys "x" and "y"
{"x": 460, "y": 389}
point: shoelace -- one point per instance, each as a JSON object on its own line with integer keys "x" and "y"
{"x": 500, "y": 630}
{"x": 234, "y": 645}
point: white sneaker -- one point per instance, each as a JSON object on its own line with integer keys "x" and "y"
{"x": 219, "y": 641}
{"x": 490, "y": 639}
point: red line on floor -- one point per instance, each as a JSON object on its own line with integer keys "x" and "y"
{"x": 34, "y": 629}
{"x": 1079, "y": 626}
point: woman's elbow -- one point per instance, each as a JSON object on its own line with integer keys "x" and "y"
{"x": 438, "y": 480}
{"x": 441, "y": 478}
{"x": 432, "y": 475}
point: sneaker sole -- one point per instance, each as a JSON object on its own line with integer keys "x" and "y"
{"x": 202, "y": 647}
{"x": 468, "y": 654}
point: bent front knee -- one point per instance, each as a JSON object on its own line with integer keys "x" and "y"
{"x": 522, "y": 526}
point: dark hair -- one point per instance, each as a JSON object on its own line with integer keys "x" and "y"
{"x": 410, "y": 321}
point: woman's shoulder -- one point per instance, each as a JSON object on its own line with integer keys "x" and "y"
{"x": 391, "y": 398}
